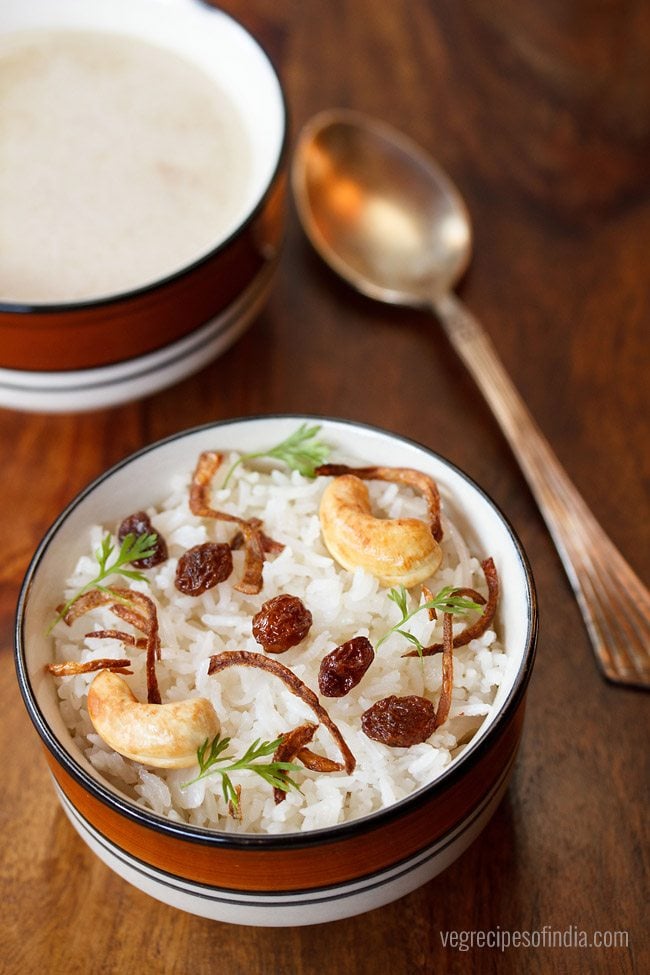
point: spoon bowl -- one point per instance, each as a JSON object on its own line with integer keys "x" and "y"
{"x": 379, "y": 210}
{"x": 384, "y": 216}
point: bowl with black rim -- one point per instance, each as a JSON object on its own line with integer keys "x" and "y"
{"x": 301, "y": 876}
{"x": 144, "y": 181}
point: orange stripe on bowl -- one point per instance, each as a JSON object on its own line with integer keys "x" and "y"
{"x": 305, "y": 867}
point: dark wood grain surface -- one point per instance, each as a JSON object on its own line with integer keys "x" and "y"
{"x": 541, "y": 113}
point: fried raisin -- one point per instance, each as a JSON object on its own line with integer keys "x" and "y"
{"x": 202, "y": 567}
{"x": 281, "y": 623}
{"x": 342, "y": 668}
{"x": 400, "y": 721}
{"x": 139, "y": 524}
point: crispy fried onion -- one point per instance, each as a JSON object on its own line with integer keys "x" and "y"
{"x": 246, "y": 658}
{"x": 289, "y": 748}
{"x": 479, "y": 626}
{"x": 293, "y": 745}
{"x": 70, "y": 668}
{"x": 140, "y": 643}
{"x": 250, "y": 534}
{"x": 444, "y": 701}
{"x": 428, "y": 596}
{"x": 396, "y": 475}
{"x": 134, "y": 608}
{"x": 270, "y": 546}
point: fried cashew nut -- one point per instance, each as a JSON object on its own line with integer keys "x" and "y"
{"x": 394, "y": 550}
{"x": 160, "y": 735}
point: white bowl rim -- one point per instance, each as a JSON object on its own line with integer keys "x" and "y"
{"x": 47, "y": 308}
{"x": 294, "y": 840}
{"x": 53, "y": 380}
{"x": 138, "y": 376}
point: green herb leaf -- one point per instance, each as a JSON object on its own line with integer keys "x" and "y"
{"x": 411, "y": 638}
{"x": 400, "y": 598}
{"x": 133, "y": 548}
{"x": 300, "y": 451}
{"x": 444, "y": 602}
{"x": 209, "y": 754}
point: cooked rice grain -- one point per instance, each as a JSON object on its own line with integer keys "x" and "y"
{"x": 253, "y": 704}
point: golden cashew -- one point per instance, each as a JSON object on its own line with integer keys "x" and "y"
{"x": 161, "y": 735}
{"x": 397, "y": 550}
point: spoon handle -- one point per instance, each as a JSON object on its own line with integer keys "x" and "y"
{"x": 614, "y": 602}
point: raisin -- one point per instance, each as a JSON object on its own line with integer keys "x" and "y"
{"x": 202, "y": 567}
{"x": 400, "y": 721}
{"x": 139, "y": 524}
{"x": 343, "y": 668}
{"x": 282, "y": 622}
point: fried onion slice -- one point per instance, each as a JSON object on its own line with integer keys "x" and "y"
{"x": 444, "y": 701}
{"x": 479, "y": 626}
{"x": 135, "y": 608}
{"x": 428, "y": 597}
{"x": 207, "y": 466}
{"x": 270, "y": 546}
{"x": 287, "y": 750}
{"x": 251, "y": 580}
{"x": 250, "y": 533}
{"x": 141, "y": 621}
{"x": 293, "y": 745}
{"x": 70, "y": 668}
{"x": 318, "y": 763}
{"x": 247, "y": 658}
{"x": 85, "y": 603}
{"x": 397, "y": 475}
{"x": 140, "y": 643}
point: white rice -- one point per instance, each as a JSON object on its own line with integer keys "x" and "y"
{"x": 252, "y": 704}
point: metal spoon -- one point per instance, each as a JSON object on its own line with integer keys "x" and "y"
{"x": 383, "y": 215}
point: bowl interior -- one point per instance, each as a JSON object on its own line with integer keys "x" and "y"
{"x": 145, "y": 479}
{"x": 211, "y": 41}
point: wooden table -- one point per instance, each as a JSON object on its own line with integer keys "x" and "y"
{"x": 541, "y": 113}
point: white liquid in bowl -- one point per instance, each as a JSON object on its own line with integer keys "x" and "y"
{"x": 120, "y": 163}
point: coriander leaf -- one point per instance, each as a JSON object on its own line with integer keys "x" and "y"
{"x": 400, "y": 598}
{"x": 411, "y": 638}
{"x": 444, "y": 601}
{"x": 300, "y": 452}
{"x": 210, "y": 753}
{"x": 133, "y": 548}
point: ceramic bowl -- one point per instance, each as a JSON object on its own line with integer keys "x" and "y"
{"x": 106, "y": 348}
{"x": 295, "y": 878}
